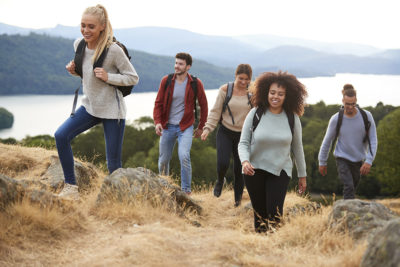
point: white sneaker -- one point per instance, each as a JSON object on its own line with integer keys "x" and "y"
{"x": 69, "y": 191}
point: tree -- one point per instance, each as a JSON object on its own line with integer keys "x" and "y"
{"x": 6, "y": 119}
{"x": 387, "y": 161}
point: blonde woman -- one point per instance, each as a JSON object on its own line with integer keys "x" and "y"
{"x": 102, "y": 101}
{"x": 230, "y": 117}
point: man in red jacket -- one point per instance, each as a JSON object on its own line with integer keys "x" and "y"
{"x": 174, "y": 118}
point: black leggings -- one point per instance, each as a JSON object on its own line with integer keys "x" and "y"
{"x": 227, "y": 144}
{"x": 267, "y": 194}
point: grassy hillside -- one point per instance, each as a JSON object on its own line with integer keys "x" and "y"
{"x": 142, "y": 235}
{"x": 35, "y": 64}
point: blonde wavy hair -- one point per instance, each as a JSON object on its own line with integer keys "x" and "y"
{"x": 106, "y": 36}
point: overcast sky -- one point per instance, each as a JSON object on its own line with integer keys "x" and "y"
{"x": 371, "y": 22}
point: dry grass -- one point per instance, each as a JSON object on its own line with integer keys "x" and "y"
{"x": 139, "y": 234}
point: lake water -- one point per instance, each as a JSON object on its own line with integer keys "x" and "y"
{"x": 38, "y": 114}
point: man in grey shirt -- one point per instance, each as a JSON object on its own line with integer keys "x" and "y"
{"x": 356, "y": 146}
{"x": 174, "y": 118}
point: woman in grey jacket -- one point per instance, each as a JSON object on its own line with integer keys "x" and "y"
{"x": 265, "y": 152}
{"x": 102, "y": 101}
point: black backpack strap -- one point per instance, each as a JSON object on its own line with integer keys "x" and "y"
{"x": 338, "y": 125}
{"x": 229, "y": 92}
{"x": 169, "y": 79}
{"x": 257, "y": 118}
{"x": 290, "y": 117}
{"x": 167, "y": 83}
{"x": 249, "y": 95}
{"x": 194, "y": 88}
{"x": 75, "y": 101}
{"x": 367, "y": 125}
{"x": 100, "y": 60}
{"x": 78, "y": 59}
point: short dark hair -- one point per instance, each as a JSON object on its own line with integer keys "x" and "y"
{"x": 185, "y": 56}
{"x": 295, "y": 91}
{"x": 348, "y": 90}
{"x": 244, "y": 68}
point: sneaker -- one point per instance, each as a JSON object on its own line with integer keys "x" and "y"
{"x": 69, "y": 191}
{"x": 218, "y": 187}
{"x": 237, "y": 203}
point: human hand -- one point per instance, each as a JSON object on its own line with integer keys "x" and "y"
{"x": 159, "y": 129}
{"x": 247, "y": 168}
{"x": 101, "y": 74}
{"x": 323, "y": 170}
{"x": 71, "y": 67}
{"x": 197, "y": 133}
{"x": 204, "y": 135}
{"x": 365, "y": 168}
{"x": 302, "y": 185}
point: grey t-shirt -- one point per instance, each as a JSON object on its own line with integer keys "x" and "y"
{"x": 178, "y": 102}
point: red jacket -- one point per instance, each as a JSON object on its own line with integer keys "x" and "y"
{"x": 162, "y": 108}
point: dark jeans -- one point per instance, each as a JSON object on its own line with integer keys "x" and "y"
{"x": 349, "y": 174}
{"x": 267, "y": 194}
{"x": 80, "y": 122}
{"x": 227, "y": 144}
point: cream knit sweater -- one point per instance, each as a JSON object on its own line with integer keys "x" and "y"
{"x": 239, "y": 106}
{"x": 101, "y": 99}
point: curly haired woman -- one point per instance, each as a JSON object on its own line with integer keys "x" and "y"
{"x": 265, "y": 152}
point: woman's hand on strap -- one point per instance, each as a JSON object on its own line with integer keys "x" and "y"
{"x": 101, "y": 74}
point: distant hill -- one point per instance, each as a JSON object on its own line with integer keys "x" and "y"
{"x": 35, "y": 64}
{"x": 304, "y": 58}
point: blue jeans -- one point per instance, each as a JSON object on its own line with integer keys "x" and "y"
{"x": 80, "y": 122}
{"x": 167, "y": 143}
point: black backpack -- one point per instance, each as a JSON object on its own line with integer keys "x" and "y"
{"x": 367, "y": 125}
{"x": 259, "y": 112}
{"x": 193, "y": 85}
{"x": 80, "y": 51}
{"x": 228, "y": 98}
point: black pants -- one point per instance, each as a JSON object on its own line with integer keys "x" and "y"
{"x": 267, "y": 194}
{"x": 349, "y": 174}
{"x": 227, "y": 144}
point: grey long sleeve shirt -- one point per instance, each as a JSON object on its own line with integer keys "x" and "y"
{"x": 268, "y": 148}
{"x": 350, "y": 143}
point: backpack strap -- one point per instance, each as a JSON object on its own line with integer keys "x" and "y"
{"x": 249, "y": 95}
{"x": 100, "y": 60}
{"x": 290, "y": 117}
{"x": 257, "y": 118}
{"x": 228, "y": 97}
{"x": 167, "y": 83}
{"x": 367, "y": 125}
{"x": 338, "y": 125}
{"x": 78, "y": 59}
{"x": 194, "y": 88}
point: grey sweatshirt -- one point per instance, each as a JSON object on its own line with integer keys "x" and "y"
{"x": 268, "y": 148}
{"x": 350, "y": 143}
{"x": 101, "y": 99}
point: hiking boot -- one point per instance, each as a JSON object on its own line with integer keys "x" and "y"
{"x": 69, "y": 191}
{"x": 218, "y": 187}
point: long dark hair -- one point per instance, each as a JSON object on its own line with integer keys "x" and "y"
{"x": 295, "y": 91}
